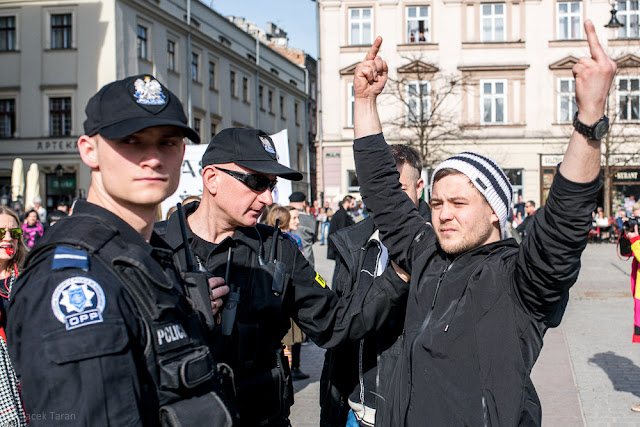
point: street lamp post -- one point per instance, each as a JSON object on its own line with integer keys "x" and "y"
{"x": 613, "y": 22}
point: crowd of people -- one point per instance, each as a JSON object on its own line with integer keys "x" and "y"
{"x": 433, "y": 317}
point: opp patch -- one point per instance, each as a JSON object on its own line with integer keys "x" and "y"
{"x": 320, "y": 280}
{"x": 78, "y": 301}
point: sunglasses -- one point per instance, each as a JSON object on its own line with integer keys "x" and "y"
{"x": 254, "y": 181}
{"x": 15, "y": 233}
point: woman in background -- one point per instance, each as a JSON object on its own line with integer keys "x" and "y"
{"x": 32, "y": 229}
{"x": 289, "y": 220}
{"x": 12, "y": 255}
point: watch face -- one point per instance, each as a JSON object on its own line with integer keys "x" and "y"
{"x": 601, "y": 129}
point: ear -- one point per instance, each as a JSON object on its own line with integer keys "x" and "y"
{"x": 87, "y": 146}
{"x": 494, "y": 219}
{"x": 419, "y": 186}
{"x": 210, "y": 177}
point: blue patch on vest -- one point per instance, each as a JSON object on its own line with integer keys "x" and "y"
{"x": 66, "y": 257}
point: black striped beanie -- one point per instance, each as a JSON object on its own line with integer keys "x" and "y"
{"x": 487, "y": 177}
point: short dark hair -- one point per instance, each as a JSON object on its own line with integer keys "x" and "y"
{"x": 347, "y": 198}
{"x": 532, "y": 203}
{"x": 405, "y": 154}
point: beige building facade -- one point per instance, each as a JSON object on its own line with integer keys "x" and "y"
{"x": 510, "y": 63}
{"x": 55, "y": 55}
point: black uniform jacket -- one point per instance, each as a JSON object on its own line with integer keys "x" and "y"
{"x": 325, "y": 318}
{"x": 75, "y": 334}
{"x": 340, "y": 373}
{"x": 474, "y": 325}
{"x": 340, "y": 220}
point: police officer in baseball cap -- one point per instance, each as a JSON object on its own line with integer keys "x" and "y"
{"x": 100, "y": 329}
{"x": 271, "y": 283}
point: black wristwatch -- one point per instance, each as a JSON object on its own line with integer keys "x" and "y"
{"x": 596, "y": 131}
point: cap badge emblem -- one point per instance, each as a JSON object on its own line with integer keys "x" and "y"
{"x": 267, "y": 145}
{"x": 149, "y": 92}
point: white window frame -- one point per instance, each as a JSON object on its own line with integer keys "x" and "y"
{"x": 16, "y": 31}
{"x": 419, "y": 9}
{"x": 171, "y": 55}
{"x": 50, "y": 97}
{"x": 493, "y": 18}
{"x": 351, "y": 99}
{"x": 632, "y": 95}
{"x": 13, "y": 98}
{"x": 569, "y": 97}
{"x": 246, "y": 89}
{"x": 352, "y": 188}
{"x": 494, "y": 97}
{"x": 625, "y": 16}
{"x": 142, "y": 44}
{"x": 195, "y": 76}
{"x": 411, "y": 119}
{"x": 360, "y": 22}
{"x": 568, "y": 19}
{"x": 233, "y": 83}
{"x": 47, "y": 24}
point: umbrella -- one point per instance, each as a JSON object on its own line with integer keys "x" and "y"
{"x": 33, "y": 186}
{"x": 17, "y": 179}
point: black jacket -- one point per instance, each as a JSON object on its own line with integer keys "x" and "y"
{"x": 474, "y": 326}
{"x": 263, "y": 318}
{"x": 339, "y": 220}
{"x": 340, "y": 373}
{"x": 78, "y": 338}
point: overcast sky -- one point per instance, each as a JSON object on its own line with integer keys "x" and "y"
{"x": 296, "y": 17}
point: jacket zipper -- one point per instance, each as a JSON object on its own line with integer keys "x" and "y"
{"x": 420, "y": 332}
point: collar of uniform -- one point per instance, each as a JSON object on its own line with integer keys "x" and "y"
{"x": 244, "y": 235}
{"x": 126, "y": 231}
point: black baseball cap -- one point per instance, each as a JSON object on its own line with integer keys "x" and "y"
{"x": 127, "y": 106}
{"x": 249, "y": 148}
{"x": 297, "y": 196}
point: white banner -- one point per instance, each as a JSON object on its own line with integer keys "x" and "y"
{"x": 191, "y": 174}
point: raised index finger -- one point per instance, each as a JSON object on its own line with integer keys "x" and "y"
{"x": 373, "y": 52}
{"x": 595, "y": 48}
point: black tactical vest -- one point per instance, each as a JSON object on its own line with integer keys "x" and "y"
{"x": 178, "y": 359}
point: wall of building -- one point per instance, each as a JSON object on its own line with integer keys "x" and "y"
{"x": 531, "y": 57}
{"x": 104, "y": 47}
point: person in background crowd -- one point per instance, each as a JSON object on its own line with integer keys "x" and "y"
{"x": 340, "y": 220}
{"x": 307, "y": 231}
{"x": 17, "y": 207}
{"x": 519, "y": 207}
{"x": 42, "y": 211}
{"x": 32, "y": 228}
{"x": 315, "y": 209}
{"x": 479, "y": 306}
{"x": 629, "y": 202}
{"x": 525, "y": 226}
{"x": 61, "y": 211}
{"x": 325, "y": 221}
{"x": 634, "y": 238}
{"x": 12, "y": 255}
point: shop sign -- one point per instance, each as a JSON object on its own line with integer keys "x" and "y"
{"x": 630, "y": 175}
{"x": 332, "y": 154}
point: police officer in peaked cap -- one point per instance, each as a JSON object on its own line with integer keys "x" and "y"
{"x": 100, "y": 330}
{"x": 270, "y": 281}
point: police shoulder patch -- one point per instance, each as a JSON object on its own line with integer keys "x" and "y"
{"x": 78, "y": 301}
{"x": 320, "y": 280}
{"x": 68, "y": 257}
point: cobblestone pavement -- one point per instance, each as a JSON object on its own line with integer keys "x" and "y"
{"x": 588, "y": 373}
